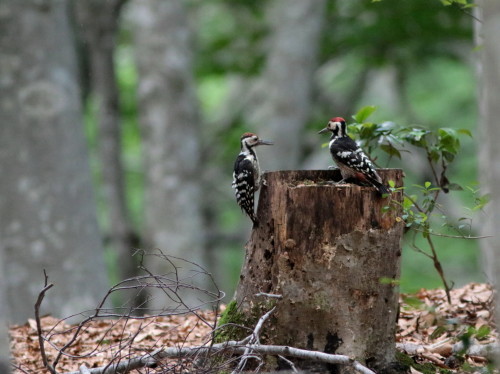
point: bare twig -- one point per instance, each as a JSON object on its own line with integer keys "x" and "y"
{"x": 253, "y": 340}
{"x": 454, "y": 236}
{"x": 38, "y": 303}
{"x": 270, "y": 295}
{"x": 122, "y": 350}
{"x": 289, "y": 363}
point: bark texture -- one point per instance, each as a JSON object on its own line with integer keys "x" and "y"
{"x": 170, "y": 125}
{"x": 488, "y": 39}
{"x": 327, "y": 250}
{"x": 47, "y": 210}
{"x": 98, "y": 21}
{"x": 284, "y": 93}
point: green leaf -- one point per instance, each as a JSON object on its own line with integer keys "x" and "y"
{"x": 465, "y": 132}
{"x": 483, "y": 332}
{"x": 427, "y": 184}
{"x": 448, "y": 141}
{"x": 391, "y": 183}
{"x": 407, "y": 203}
{"x": 390, "y": 150}
{"x": 364, "y": 113}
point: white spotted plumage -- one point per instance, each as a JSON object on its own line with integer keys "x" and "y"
{"x": 350, "y": 158}
{"x": 246, "y": 174}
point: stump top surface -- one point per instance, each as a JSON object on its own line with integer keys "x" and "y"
{"x": 313, "y": 177}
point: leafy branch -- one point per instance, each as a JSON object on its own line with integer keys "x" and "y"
{"x": 421, "y": 210}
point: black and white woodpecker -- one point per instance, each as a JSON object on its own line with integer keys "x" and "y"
{"x": 353, "y": 163}
{"x": 246, "y": 174}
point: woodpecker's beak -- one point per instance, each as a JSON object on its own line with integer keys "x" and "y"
{"x": 323, "y": 131}
{"x": 265, "y": 142}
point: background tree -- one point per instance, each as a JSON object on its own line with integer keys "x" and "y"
{"x": 488, "y": 64}
{"x": 170, "y": 124}
{"x": 98, "y": 27}
{"x": 487, "y": 30}
{"x": 48, "y": 218}
{"x": 4, "y": 313}
{"x": 282, "y": 99}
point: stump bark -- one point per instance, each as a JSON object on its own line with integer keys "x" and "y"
{"x": 334, "y": 256}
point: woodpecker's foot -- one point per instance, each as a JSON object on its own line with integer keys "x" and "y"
{"x": 342, "y": 181}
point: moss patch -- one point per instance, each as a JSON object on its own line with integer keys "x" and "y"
{"x": 227, "y": 329}
{"x": 426, "y": 368}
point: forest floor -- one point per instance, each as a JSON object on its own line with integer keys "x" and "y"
{"x": 433, "y": 335}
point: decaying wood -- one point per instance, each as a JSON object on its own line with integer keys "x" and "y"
{"x": 334, "y": 256}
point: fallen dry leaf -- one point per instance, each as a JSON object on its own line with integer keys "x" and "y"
{"x": 429, "y": 329}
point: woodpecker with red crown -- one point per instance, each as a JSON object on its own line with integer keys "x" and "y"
{"x": 246, "y": 174}
{"x": 353, "y": 163}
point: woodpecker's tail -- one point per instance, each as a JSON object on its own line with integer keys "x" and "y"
{"x": 381, "y": 188}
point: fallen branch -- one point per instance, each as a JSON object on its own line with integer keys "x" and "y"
{"x": 233, "y": 346}
{"x": 481, "y": 350}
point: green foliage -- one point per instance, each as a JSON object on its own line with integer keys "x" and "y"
{"x": 464, "y": 4}
{"x": 394, "y": 31}
{"x": 421, "y": 211}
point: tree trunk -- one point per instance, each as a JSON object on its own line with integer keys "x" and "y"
{"x": 284, "y": 92}
{"x": 487, "y": 35}
{"x": 334, "y": 257}
{"x": 47, "y": 209}
{"x": 170, "y": 125}
{"x": 98, "y": 22}
{"x": 487, "y": 38}
{"x": 4, "y": 313}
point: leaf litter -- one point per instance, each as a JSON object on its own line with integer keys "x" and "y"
{"x": 429, "y": 331}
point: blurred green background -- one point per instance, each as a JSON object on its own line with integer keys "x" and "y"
{"x": 414, "y": 60}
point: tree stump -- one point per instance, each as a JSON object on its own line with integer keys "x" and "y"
{"x": 334, "y": 256}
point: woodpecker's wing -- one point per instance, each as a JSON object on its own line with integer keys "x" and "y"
{"x": 346, "y": 152}
{"x": 244, "y": 185}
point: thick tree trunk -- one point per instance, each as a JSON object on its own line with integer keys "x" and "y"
{"x": 98, "y": 22}
{"x": 170, "y": 123}
{"x": 47, "y": 209}
{"x": 334, "y": 256}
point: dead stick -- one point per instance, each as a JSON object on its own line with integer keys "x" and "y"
{"x": 41, "y": 296}
{"x": 235, "y": 347}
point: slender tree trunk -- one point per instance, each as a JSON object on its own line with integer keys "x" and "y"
{"x": 170, "y": 121}
{"x": 98, "y": 22}
{"x": 334, "y": 257}
{"x": 4, "y": 313}
{"x": 488, "y": 38}
{"x": 284, "y": 92}
{"x": 47, "y": 209}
